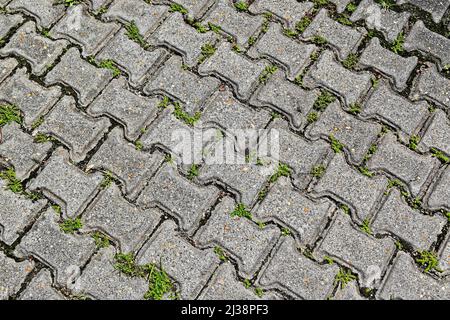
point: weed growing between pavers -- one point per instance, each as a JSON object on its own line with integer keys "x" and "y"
{"x": 304, "y": 23}
{"x": 366, "y": 226}
{"x": 355, "y": 109}
{"x": 175, "y": 7}
{"x": 12, "y": 183}
{"x": 107, "y": 180}
{"x": 323, "y": 100}
{"x": 180, "y": 114}
{"x": 134, "y": 34}
{"x": 159, "y": 283}
{"x": 69, "y": 3}
{"x": 42, "y": 138}
{"x": 397, "y": 45}
{"x": 428, "y": 260}
{"x": 241, "y": 6}
{"x": 318, "y": 171}
{"x": 282, "y": 171}
{"x": 71, "y": 225}
{"x": 285, "y": 232}
{"x": 110, "y": 65}
{"x": 241, "y": 211}
{"x": 9, "y": 113}
{"x": 101, "y": 241}
{"x": 413, "y": 142}
{"x": 220, "y": 254}
{"x": 267, "y": 72}
{"x": 336, "y": 145}
{"x": 207, "y": 51}
{"x": 193, "y": 172}
{"x": 440, "y": 156}
{"x": 329, "y": 260}
{"x": 344, "y": 277}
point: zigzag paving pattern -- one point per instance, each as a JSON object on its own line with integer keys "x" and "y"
{"x": 99, "y": 198}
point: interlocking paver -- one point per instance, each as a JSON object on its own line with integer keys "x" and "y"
{"x": 100, "y": 280}
{"x": 79, "y": 26}
{"x": 224, "y": 285}
{"x": 231, "y": 66}
{"x": 408, "y": 166}
{"x": 175, "y": 34}
{"x": 440, "y": 193}
{"x": 81, "y": 76}
{"x": 388, "y": 63}
{"x": 388, "y": 22}
{"x": 240, "y": 146}
{"x": 79, "y": 132}
{"x": 45, "y": 11}
{"x": 436, "y": 8}
{"x": 144, "y": 15}
{"x": 183, "y": 85}
{"x": 40, "y": 288}
{"x": 289, "y": 270}
{"x": 181, "y": 197}
{"x": 13, "y": 275}
{"x": 240, "y": 25}
{"x": 405, "y": 281}
{"x": 355, "y": 134}
{"x": 290, "y": 11}
{"x": 137, "y": 62}
{"x": 396, "y": 217}
{"x": 65, "y": 253}
{"x": 286, "y": 97}
{"x": 350, "y": 186}
{"x": 188, "y": 265}
{"x": 123, "y": 221}
{"x": 133, "y": 111}
{"x": 293, "y": 55}
{"x": 387, "y": 106}
{"x": 306, "y": 217}
{"x": 66, "y": 184}
{"x": 38, "y": 50}
{"x": 8, "y": 22}
{"x": 367, "y": 255}
{"x": 33, "y": 100}
{"x": 343, "y": 38}
{"x": 19, "y": 150}
{"x": 428, "y": 42}
{"x": 431, "y": 85}
{"x": 437, "y": 135}
{"x": 326, "y": 72}
{"x": 17, "y": 212}
{"x": 131, "y": 166}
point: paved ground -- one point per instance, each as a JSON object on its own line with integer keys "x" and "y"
{"x": 99, "y": 100}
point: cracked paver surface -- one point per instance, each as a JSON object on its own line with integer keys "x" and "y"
{"x": 137, "y": 139}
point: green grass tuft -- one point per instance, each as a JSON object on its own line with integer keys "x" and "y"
{"x": 241, "y": 6}
{"x": 175, "y": 7}
{"x": 8, "y": 114}
{"x": 71, "y": 225}
{"x": 323, "y": 100}
{"x": 428, "y": 260}
{"x": 267, "y": 72}
{"x": 134, "y": 34}
{"x": 282, "y": 171}
{"x": 397, "y": 45}
{"x": 336, "y": 145}
{"x": 343, "y": 277}
{"x": 12, "y": 183}
{"x": 241, "y": 211}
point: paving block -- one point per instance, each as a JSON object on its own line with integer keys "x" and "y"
{"x": 428, "y": 42}
{"x": 345, "y": 184}
{"x": 87, "y": 80}
{"x": 8, "y": 22}
{"x": 190, "y": 267}
{"x": 6, "y": 67}
{"x": 290, "y": 11}
{"x": 65, "y": 253}
{"x": 196, "y": 8}
{"x": 17, "y": 212}
{"x": 344, "y": 38}
{"x": 286, "y": 97}
{"x": 389, "y": 107}
{"x": 408, "y": 166}
{"x": 100, "y": 280}
{"x": 388, "y": 63}
{"x": 289, "y": 270}
{"x": 39, "y": 51}
{"x": 231, "y": 66}
{"x": 75, "y": 129}
{"x": 365, "y": 254}
{"x": 65, "y": 184}
{"x": 405, "y": 281}
{"x": 183, "y": 85}
{"x": 46, "y": 12}
{"x": 326, "y": 72}
{"x": 123, "y": 221}
{"x": 431, "y": 85}
{"x": 33, "y": 100}
{"x": 41, "y": 288}
{"x": 390, "y": 23}
{"x": 133, "y": 111}
{"x": 20, "y": 151}
{"x": 396, "y": 217}
{"x": 341, "y": 4}
{"x": 13, "y": 275}
{"x": 247, "y": 243}
{"x": 439, "y": 196}
{"x": 146, "y": 16}
{"x": 444, "y": 256}
{"x": 437, "y": 134}
{"x": 355, "y": 134}
{"x": 181, "y": 37}
{"x": 437, "y": 9}
{"x": 349, "y": 292}
{"x": 181, "y": 197}
{"x": 293, "y": 55}
{"x": 285, "y": 205}
{"x": 80, "y": 27}
{"x": 129, "y": 55}
{"x": 240, "y": 25}
{"x": 224, "y": 286}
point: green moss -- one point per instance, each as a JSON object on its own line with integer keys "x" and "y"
{"x": 351, "y": 61}
{"x": 319, "y": 40}
{"x": 303, "y": 24}
{"x": 125, "y": 263}
{"x": 207, "y": 51}
{"x": 413, "y": 142}
{"x": 336, "y": 145}
{"x": 42, "y": 138}
{"x": 329, "y": 260}
{"x": 365, "y": 171}
{"x": 247, "y": 284}
{"x": 351, "y": 7}
{"x": 175, "y": 7}
{"x": 323, "y": 100}
{"x": 375, "y": 82}
{"x": 138, "y": 145}
{"x": 345, "y": 209}
{"x": 355, "y": 109}
{"x": 214, "y": 28}
{"x": 289, "y": 33}
{"x": 134, "y": 34}
{"x": 312, "y": 117}
{"x": 241, "y": 6}
{"x": 343, "y": 19}
{"x": 107, "y": 180}
{"x": 318, "y": 171}
{"x": 69, "y": 3}
{"x": 101, "y": 241}
{"x": 71, "y": 225}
